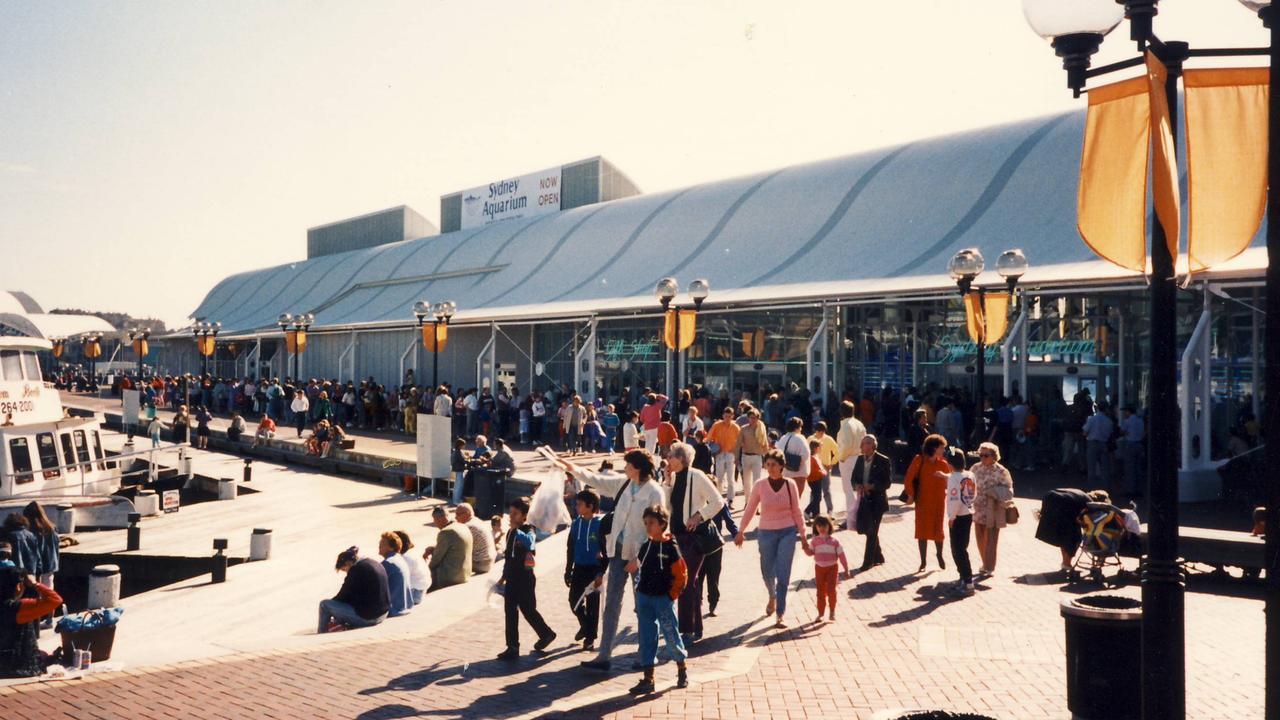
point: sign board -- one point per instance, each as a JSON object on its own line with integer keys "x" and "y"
{"x": 510, "y": 198}
{"x": 434, "y": 446}
{"x": 132, "y": 406}
{"x": 170, "y": 500}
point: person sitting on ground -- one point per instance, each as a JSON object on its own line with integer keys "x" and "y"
{"x": 336, "y": 436}
{"x": 266, "y": 430}
{"x": 450, "y": 558}
{"x": 399, "y": 591}
{"x": 419, "y": 574}
{"x": 482, "y": 548}
{"x": 19, "y": 614}
{"x": 482, "y": 454}
{"x": 499, "y": 534}
{"x": 236, "y": 428}
{"x": 364, "y": 599}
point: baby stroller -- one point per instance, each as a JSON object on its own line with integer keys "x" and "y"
{"x": 1103, "y": 533}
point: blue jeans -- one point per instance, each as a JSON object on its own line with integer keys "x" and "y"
{"x": 615, "y": 585}
{"x": 656, "y": 613}
{"x": 777, "y": 550}
{"x": 343, "y": 613}
{"x": 459, "y": 478}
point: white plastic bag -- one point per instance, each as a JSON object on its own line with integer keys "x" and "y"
{"x": 547, "y": 510}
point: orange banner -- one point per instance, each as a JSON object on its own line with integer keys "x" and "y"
{"x": 435, "y": 341}
{"x": 58, "y": 347}
{"x": 1226, "y": 161}
{"x": 986, "y": 324}
{"x": 688, "y": 329}
{"x": 753, "y": 343}
{"x": 1111, "y": 204}
{"x": 140, "y": 347}
{"x": 92, "y": 349}
{"x": 206, "y": 344}
{"x": 1164, "y": 158}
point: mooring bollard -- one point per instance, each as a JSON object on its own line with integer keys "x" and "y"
{"x": 248, "y": 469}
{"x": 104, "y": 586}
{"x": 260, "y": 544}
{"x": 219, "y": 560}
{"x": 226, "y": 489}
{"x": 66, "y": 522}
{"x": 133, "y": 538}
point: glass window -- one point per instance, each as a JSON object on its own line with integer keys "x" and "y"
{"x": 20, "y": 454}
{"x": 97, "y": 450}
{"x": 32, "y": 365}
{"x": 48, "y": 452}
{"x": 82, "y": 447}
{"x": 10, "y": 365}
{"x": 68, "y": 454}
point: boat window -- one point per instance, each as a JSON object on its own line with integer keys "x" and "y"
{"x": 82, "y": 447}
{"x": 20, "y": 455}
{"x": 10, "y": 365}
{"x": 48, "y": 452}
{"x": 97, "y": 452}
{"x": 68, "y": 455}
{"x": 32, "y": 365}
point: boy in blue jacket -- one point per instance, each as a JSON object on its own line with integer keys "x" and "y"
{"x": 519, "y": 584}
{"x": 584, "y": 567}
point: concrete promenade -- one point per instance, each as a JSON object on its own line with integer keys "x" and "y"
{"x": 898, "y": 642}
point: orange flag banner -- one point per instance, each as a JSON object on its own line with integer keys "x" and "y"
{"x": 290, "y": 341}
{"x": 206, "y": 345}
{"x": 58, "y": 347}
{"x": 435, "y": 337}
{"x": 300, "y": 342}
{"x": 753, "y": 343}
{"x": 1226, "y": 161}
{"x": 688, "y": 329}
{"x": 92, "y": 349}
{"x": 1111, "y": 204}
{"x": 986, "y": 324}
{"x": 140, "y": 347}
{"x": 1164, "y": 158}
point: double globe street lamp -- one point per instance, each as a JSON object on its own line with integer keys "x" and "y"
{"x": 439, "y": 316}
{"x": 666, "y": 291}
{"x": 965, "y": 267}
{"x": 295, "y": 329}
{"x": 205, "y": 334}
{"x": 138, "y": 341}
{"x": 1076, "y": 29}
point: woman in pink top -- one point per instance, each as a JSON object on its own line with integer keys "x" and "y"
{"x": 781, "y": 526}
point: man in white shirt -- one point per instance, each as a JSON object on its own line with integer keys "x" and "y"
{"x": 482, "y": 549}
{"x": 849, "y": 444}
{"x": 1097, "y": 432}
{"x": 1132, "y": 433}
{"x": 443, "y": 405}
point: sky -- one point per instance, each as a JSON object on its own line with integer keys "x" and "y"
{"x": 150, "y": 149}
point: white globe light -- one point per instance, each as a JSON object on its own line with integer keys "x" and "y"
{"x": 1054, "y": 18}
{"x": 967, "y": 263}
{"x": 1012, "y": 264}
{"x": 699, "y": 289}
{"x": 666, "y": 288}
{"x": 422, "y": 308}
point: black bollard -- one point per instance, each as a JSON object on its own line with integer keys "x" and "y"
{"x": 219, "y": 571}
{"x": 248, "y": 469}
{"x": 133, "y": 538}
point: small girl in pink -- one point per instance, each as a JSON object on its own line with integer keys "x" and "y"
{"x": 826, "y": 552}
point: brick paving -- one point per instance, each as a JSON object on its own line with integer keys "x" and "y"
{"x": 899, "y": 642}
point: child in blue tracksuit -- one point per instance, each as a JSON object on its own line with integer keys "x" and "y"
{"x": 585, "y": 566}
{"x": 519, "y": 584}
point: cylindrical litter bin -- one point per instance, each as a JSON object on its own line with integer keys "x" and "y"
{"x": 1104, "y": 656}
{"x": 104, "y": 586}
{"x": 490, "y": 489}
{"x": 65, "y": 521}
{"x": 260, "y": 544}
{"x": 227, "y": 489}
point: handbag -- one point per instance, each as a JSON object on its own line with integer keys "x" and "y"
{"x": 1011, "y": 514}
{"x": 705, "y": 537}
{"x": 606, "y": 522}
{"x": 792, "y": 460}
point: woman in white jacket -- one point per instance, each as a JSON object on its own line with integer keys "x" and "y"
{"x": 694, "y": 501}
{"x": 635, "y": 490}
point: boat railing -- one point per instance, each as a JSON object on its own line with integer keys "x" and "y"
{"x": 9, "y": 486}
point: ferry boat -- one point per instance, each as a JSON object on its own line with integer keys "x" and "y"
{"x": 46, "y": 454}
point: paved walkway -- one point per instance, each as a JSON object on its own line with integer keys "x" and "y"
{"x": 899, "y": 642}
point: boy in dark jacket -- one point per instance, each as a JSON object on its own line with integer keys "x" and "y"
{"x": 584, "y": 567}
{"x": 518, "y": 583}
{"x": 661, "y": 576}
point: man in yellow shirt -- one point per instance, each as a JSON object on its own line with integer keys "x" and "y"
{"x": 828, "y": 455}
{"x": 724, "y": 433}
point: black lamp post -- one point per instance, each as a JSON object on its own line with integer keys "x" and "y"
{"x": 205, "y": 334}
{"x": 666, "y": 291}
{"x": 440, "y": 313}
{"x": 138, "y": 341}
{"x": 965, "y": 267}
{"x": 1076, "y": 29}
{"x": 295, "y": 329}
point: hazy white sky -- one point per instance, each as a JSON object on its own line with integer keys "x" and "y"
{"x": 148, "y": 149}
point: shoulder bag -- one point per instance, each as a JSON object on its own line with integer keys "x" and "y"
{"x": 792, "y": 460}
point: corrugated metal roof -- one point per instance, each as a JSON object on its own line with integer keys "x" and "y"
{"x": 865, "y": 220}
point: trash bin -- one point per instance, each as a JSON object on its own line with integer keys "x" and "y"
{"x": 1104, "y": 656}
{"x": 490, "y": 488}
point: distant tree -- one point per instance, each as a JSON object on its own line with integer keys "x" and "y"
{"x": 119, "y": 321}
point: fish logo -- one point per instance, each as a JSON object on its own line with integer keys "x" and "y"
{"x": 471, "y": 204}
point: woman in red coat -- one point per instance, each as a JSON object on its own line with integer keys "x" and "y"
{"x": 926, "y": 482}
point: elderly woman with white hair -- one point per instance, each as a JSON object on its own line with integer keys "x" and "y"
{"x": 994, "y": 492}
{"x": 695, "y": 501}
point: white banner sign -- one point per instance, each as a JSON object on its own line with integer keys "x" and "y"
{"x": 525, "y": 196}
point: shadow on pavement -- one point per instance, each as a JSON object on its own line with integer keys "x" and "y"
{"x": 930, "y": 598}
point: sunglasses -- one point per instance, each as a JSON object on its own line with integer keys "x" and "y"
{"x": 985, "y": 455}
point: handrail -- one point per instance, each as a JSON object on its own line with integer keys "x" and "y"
{"x": 9, "y": 479}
